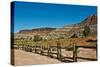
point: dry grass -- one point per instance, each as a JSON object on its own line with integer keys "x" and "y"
{"x": 63, "y": 42}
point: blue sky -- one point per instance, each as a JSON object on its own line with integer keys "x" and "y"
{"x": 29, "y": 15}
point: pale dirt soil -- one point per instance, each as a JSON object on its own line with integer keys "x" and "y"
{"x": 86, "y": 53}
{"x": 28, "y": 58}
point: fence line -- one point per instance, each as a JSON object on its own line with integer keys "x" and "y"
{"x": 40, "y": 49}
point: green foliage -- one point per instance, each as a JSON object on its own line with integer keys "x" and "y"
{"x": 86, "y": 31}
{"x": 74, "y": 36}
{"x": 61, "y": 37}
{"x": 37, "y": 38}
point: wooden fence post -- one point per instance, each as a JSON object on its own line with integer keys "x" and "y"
{"x": 74, "y": 53}
{"x": 35, "y": 48}
{"x": 41, "y": 48}
{"x": 49, "y": 50}
{"x": 23, "y": 46}
{"x": 59, "y": 51}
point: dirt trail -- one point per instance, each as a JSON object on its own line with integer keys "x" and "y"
{"x": 27, "y": 58}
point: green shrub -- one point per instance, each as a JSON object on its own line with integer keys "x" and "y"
{"x": 86, "y": 31}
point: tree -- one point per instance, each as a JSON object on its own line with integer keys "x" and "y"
{"x": 74, "y": 36}
{"x": 86, "y": 31}
{"x": 37, "y": 38}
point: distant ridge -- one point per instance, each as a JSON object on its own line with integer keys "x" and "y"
{"x": 91, "y": 20}
{"x": 44, "y": 30}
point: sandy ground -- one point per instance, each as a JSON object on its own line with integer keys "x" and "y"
{"x": 86, "y": 53}
{"x": 28, "y": 58}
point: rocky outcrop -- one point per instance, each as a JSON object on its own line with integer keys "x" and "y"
{"x": 37, "y": 31}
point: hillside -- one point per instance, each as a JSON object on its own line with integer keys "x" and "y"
{"x": 67, "y": 30}
{"x": 41, "y": 31}
{"x": 90, "y": 21}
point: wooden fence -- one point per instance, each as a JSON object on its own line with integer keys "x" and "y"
{"x": 51, "y": 50}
